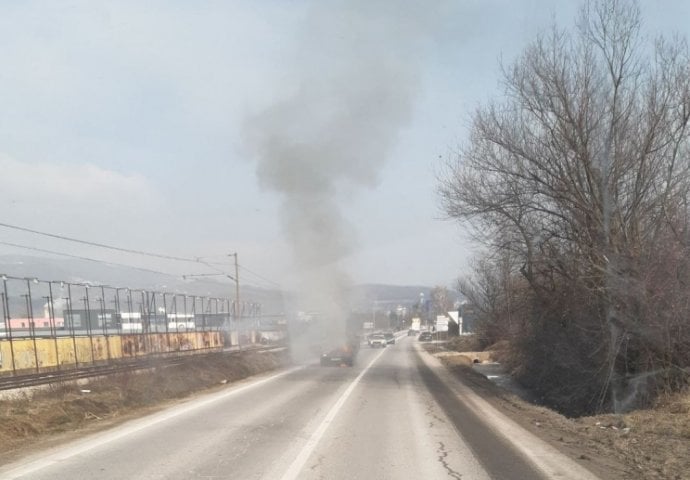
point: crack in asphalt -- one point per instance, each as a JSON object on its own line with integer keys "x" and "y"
{"x": 442, "y": 454}
{"x": 430, "y": 412}
{"x": 441, "y": 451}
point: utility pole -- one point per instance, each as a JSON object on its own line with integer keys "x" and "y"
{"x": 237, "y": 287}
{"x": 238, "y": 310}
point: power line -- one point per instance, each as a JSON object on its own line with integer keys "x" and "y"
{"x": 254, "y": 285}
{"x": 197, "y": 260}
{"x": 88, "y": 259}
{"x": 259, "y": 276}
{"x": 224, "y": 255}
{"x": 257, "y": 284}
{"x": 105, "y": 262}
{"x": 102, "y": 245}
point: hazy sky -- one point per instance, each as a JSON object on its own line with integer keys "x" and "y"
{"x": 125, "y": 122}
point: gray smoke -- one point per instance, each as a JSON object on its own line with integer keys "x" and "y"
{"x": 357, "y": 69}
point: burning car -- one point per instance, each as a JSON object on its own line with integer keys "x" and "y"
{"x": 343, "y": 355}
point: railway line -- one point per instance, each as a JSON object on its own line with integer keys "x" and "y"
{"x": 142, "y": 363}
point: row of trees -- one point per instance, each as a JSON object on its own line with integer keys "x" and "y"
{"x": 577, "y": 181}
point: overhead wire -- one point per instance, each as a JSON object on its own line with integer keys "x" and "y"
{"x": 265, "y": 279}
{"x": 113, "y": 247}
{"x": 197, "y": 260}
{"x": 88, "y": 259}
{"x": 104, "y": 262}
{"x": 101, "y": 245}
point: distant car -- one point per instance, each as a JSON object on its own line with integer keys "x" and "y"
{"x": 377, "y": 340}
{"x": 344, "y": 355}
{"x": 425, "y": 337}
{"x": 411, "y": 332}
{"x": 390, "y": 338}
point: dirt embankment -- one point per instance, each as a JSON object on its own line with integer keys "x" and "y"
{"x": 644, "y": 444}
{"x": 49, "y": 416}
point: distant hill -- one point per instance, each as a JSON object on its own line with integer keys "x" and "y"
{"x": 388, "y": 296}
{"x": 82, "y": 271}
{"x": 363, "y": 297}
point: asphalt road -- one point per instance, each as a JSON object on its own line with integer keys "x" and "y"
{"x": 388, "y": 417}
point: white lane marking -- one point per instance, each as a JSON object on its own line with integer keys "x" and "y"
{"x": 295, "y": 468}
{"x": 24, "y": 469}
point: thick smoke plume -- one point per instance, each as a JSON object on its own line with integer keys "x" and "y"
{"x": 356, "y": 72}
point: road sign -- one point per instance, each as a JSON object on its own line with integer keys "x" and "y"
{"x": 441, "y": 323}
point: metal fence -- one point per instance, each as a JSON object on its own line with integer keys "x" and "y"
{"x": 49, "y": 325}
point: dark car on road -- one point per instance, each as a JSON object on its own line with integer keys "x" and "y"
{"x": 343, "y": 355}
{"x": 425, "y": 337}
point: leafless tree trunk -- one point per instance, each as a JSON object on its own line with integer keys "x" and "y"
{"x": 499, "y": 296}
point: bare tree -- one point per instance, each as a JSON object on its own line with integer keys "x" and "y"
{"x": 498, "y": 296}
{"x": 441, "y": 302}
{"x": 581, "y": 172}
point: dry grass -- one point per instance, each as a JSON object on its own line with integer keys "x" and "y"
{"x": 464, "y": 343}
{"x": 461, "y": 350}
{"x": 457, "y": 360}
{"x": 656, "y": 441}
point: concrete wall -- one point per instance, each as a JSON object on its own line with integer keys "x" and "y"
{"x": 69, "y": 352}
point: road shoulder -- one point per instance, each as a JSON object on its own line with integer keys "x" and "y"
{"x": 547, "y": 457}
{"x": 67, "y": 412}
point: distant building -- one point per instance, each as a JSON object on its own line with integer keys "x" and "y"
{"x": 29, "y": 323}
{"x": 95, "y": 318}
